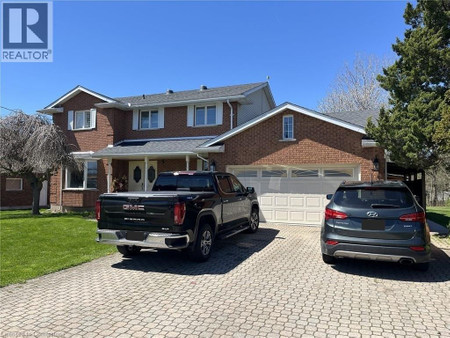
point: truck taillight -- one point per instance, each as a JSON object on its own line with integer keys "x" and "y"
{"x": 98, "y": 209}
{"x": 334, "y": 214}
{"x": 179, "y": 211}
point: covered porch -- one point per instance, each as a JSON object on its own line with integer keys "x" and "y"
{"x": 133, "y": 165}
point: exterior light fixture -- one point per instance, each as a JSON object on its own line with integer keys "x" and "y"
{"x": 212, "y": 165}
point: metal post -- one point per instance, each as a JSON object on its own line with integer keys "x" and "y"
{"x": 187, "y": 162}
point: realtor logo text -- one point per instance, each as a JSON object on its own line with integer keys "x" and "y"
{"x": 27, "y": 32}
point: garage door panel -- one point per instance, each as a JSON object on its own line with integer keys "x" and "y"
{"x": 294, "y": 199}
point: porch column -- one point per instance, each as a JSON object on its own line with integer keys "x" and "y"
{"x": 187, "y": 162}
{"x": 146, "y": 173}
{"x": 109, "y": 175}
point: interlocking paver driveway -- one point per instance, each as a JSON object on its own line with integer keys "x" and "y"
{"x": 270, "y": 284}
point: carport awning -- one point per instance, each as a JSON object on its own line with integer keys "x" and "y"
{"x": 149, "y": 147}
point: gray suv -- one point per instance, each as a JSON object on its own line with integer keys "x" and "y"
{"x": 375, "y": 221}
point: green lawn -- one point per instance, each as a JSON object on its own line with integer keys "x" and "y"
{"x": 440, "y": 215}
{"x": 31, "y": 246}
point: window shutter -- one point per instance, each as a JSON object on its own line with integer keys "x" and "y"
{"x": 135, "y": 119}
{"x": 161, "y": 117}
{"x": 190, "y": 116}
{"x": 219, "y": 112}
{"x": 70, "y": 120}
{"x": 93, "y": 117}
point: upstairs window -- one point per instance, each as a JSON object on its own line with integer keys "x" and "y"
{"x": 146, "y": 119}
{"x": 81, "y": 119}
{"x": 149, "y": 120}
{"x": 205, "y": 116}
{"x": 86, "y": 178}
{"x": 288, "y": 127}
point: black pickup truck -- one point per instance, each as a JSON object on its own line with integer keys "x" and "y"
{"x": 184, "y": 211}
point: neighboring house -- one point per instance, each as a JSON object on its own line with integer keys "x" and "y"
{"x": 16, "y": 193}
{"x": 293, "y": 156}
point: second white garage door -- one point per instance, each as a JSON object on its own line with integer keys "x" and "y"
{"x": 294, "y": 194}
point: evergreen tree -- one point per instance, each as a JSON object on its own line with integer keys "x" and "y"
{"x": 417, "y": 83}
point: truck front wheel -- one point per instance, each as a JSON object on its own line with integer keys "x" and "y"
{"x": 203, "y": 245}
{"x": 128, "y": 250}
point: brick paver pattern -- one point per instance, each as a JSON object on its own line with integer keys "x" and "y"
{"x": 269, "y": 284}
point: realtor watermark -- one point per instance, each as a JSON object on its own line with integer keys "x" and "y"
{"x": 27, "y": 31}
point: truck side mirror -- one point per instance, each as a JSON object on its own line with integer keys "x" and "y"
{"x": 250, "y": 190}
{"x": 329, "y": 196}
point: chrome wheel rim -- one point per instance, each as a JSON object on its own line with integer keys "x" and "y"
{"x": 254, "y": 220}
{"x": 206, "y": 242}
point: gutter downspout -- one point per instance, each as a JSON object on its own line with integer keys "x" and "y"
{"x": 61, "y": 190}
{"x": 231, "y": 113}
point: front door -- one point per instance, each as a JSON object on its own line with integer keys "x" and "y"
{"x": 136, "y": 175}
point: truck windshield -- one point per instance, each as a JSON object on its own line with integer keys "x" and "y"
{"x": 183, "y": 183}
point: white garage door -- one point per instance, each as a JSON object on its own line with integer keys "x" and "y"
{"x": 294, "y": 194}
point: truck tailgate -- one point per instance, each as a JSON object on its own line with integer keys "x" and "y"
{"x": 149, "y": 212}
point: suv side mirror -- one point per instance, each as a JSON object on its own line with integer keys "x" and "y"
{"x": 329, "y": 196}
{"x": 250, "y": 190}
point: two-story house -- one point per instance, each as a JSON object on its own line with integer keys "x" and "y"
{"x": 293, "y": 156}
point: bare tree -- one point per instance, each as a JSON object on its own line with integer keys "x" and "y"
{"x": 33, "y": 148}
{"x": 356, "y": 88}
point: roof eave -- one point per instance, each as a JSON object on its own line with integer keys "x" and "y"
{"x": 182, "y": 102}
{"x": 74, "y": 92}
{"x": 51, "y": 111}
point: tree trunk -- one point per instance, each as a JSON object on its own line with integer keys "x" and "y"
{"x": 36, "y": 185}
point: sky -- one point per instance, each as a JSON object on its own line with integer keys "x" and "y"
{"x": 122, "y": 48}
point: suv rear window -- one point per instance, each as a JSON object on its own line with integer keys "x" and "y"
{"x": 183, "y": 183}
{"x": 373, "y": 197}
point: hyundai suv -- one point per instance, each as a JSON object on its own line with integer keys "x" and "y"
{"x": 375, "y": 221}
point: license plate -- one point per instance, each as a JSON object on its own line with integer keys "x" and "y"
{"x": 135, "y": 235}
{"x": 373, "y": 224}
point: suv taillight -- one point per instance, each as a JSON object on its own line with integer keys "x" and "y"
{"x": 333, "y": 214}
{"x": 98, "y": 209}
{"x": 414, "y": 217}
{"x": 179, "y": 211}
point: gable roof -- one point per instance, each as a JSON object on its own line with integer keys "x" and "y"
{"x": 236, "y": 92}
{"x": 75, "y": 91}
{"x": 209, "y": 94}
{"x": 282, "y": 107}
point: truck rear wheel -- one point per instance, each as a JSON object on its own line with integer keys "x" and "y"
{"x": 128, "y": 250}
{"x": 203, "y": 245}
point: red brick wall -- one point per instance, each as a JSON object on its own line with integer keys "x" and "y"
{"x": 10, "y": 199}
{"x": 317, "y": 142}
{"x": 86, "y": 140}
{"x": 175, "y": 125}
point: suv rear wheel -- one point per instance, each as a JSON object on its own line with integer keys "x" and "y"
{"x": 328, "y": 259}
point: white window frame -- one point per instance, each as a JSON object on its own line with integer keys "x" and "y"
{"x": 14, "y": 179}
{"x": 284, "y": 138}
{"x": 205, "y": 107}
{"x": 85, "y": 113}
{"x": 85, "y": 176}
{"x": 150, "y": 113}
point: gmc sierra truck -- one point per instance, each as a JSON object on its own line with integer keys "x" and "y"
{"x": 184, "y": 211}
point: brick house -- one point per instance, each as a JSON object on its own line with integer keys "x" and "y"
{"x": 16, "y": 193}
{"x": 293, "y": 156}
